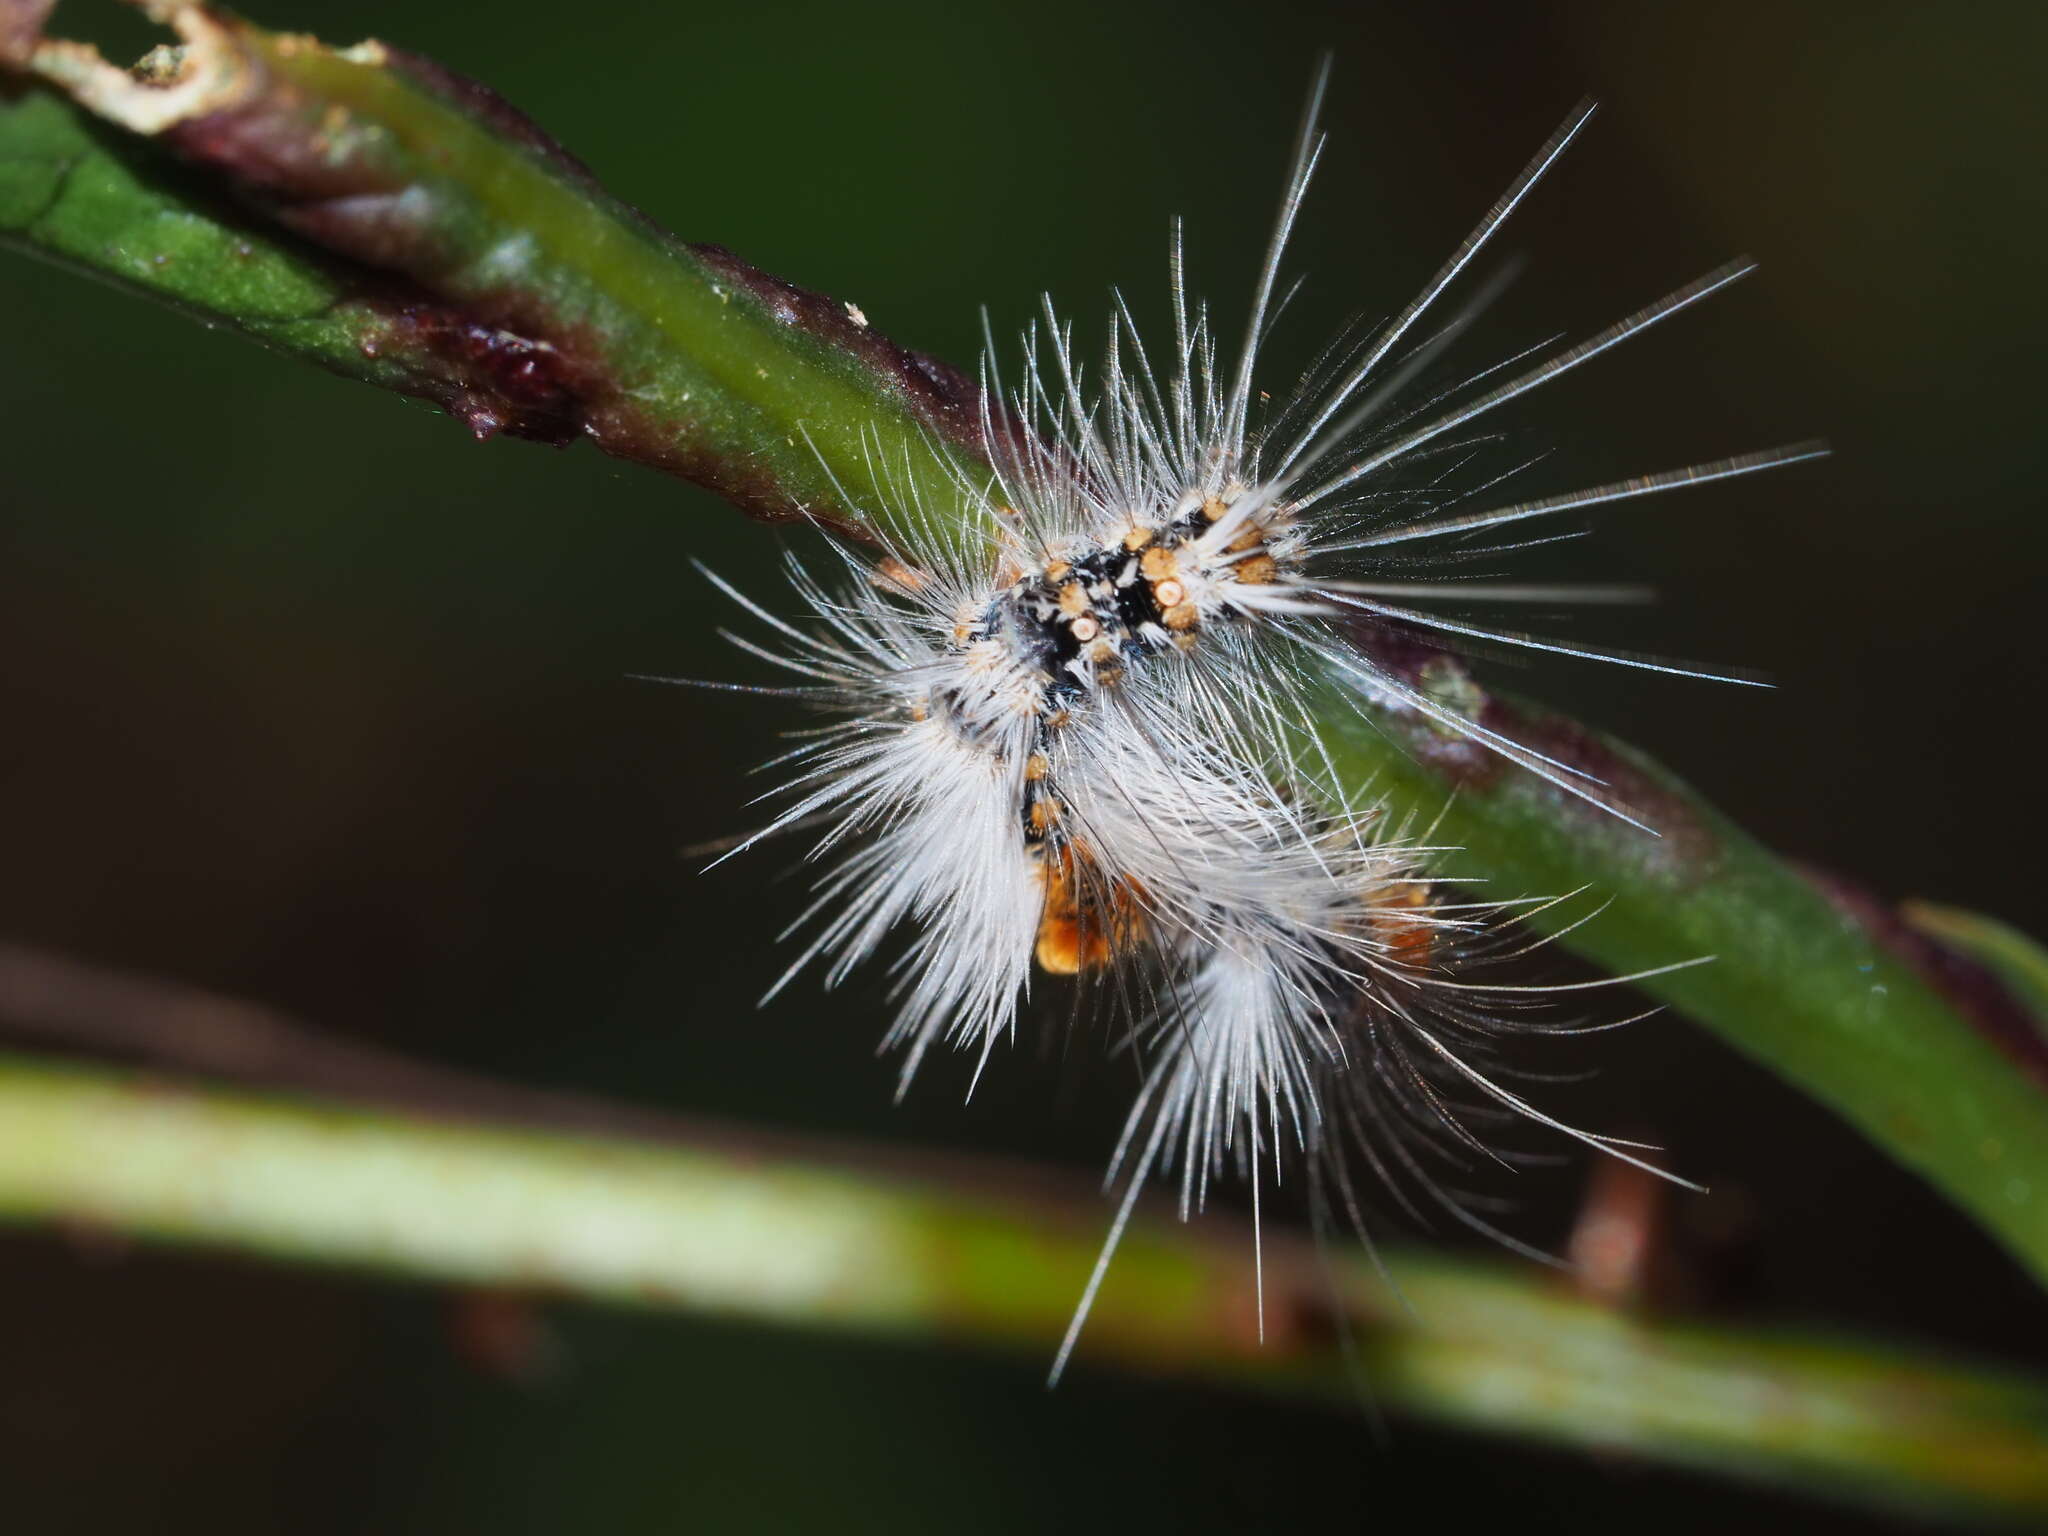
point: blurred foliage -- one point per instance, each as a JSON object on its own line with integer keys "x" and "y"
{"x": 353, "y": 733}
{"x": 989, "y": 1258}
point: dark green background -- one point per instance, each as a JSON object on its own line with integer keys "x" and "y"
{"x": 308, "y": 698}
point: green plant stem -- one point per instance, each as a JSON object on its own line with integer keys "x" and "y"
{"x": 445, "y": 247}
{"x": 68, "y": 195}
{"x": 1812, "y": 986}
{"x": 526, "y": 300}
{"x": 806, "y": 1242}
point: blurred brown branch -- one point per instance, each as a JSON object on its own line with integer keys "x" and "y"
{"x": 719, "y": 1221}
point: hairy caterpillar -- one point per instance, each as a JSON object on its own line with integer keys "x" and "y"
{"x": 1075, "y": 734}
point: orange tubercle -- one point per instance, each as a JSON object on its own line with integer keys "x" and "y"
{"x": 1402, "y": 924}
{"x": 1258, "y": 571}
{"x": 1087, "y": 919}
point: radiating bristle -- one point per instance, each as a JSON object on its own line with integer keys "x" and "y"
{"x": 1078, "y": 730}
